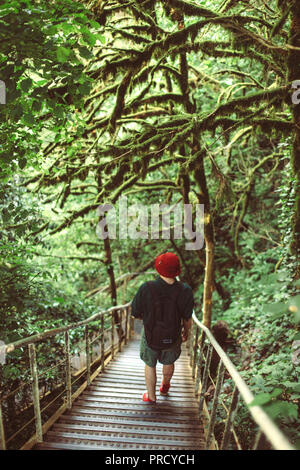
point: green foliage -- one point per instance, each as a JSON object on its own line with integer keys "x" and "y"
{"x": 43, "y": 74}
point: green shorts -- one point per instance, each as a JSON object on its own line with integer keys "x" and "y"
{"x": 165, "y": 357}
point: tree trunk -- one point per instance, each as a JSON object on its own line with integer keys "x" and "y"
{"x": 109, "y": 265}
{"x": 294, "y": 74}
{"x": 110, "y": 271}
{"x": 200, "y": 177}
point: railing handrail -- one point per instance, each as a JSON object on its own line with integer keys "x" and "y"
{"x": 55, "y": 331}
{"x": 90, "y": 371}
{"x": 266, "y": 425}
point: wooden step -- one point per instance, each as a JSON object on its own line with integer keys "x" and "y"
{"x": 110, "y": 413}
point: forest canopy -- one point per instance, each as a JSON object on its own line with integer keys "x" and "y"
{"x": 162, "y": 102}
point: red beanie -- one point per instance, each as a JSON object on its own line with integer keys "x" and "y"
{"x": 167, "y": 265}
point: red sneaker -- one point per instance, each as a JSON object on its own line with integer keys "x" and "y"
{"x": 164, "y": 388}
{"x": 146, "y": 398}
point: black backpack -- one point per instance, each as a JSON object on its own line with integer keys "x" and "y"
{"x": 163, "y": 327}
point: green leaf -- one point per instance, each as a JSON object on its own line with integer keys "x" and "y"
{"x": 63, "y": 54}
{"x": 42, "y": 82}
{"x": 295, "y": 301}
{"x": 59, "y": 112}
{"x": 294, "y": 307}
{"x": 261, "y": 399}
{"x": 36, "y": 106}
{"x": 101, "y": 38}
{"x": 85, "y": 52}
{"x": 293, "y": 386}
{"x": 5, "y": 215}
{"x": 269, "y": 278}
{"x": 68, "y": 28}
{"x": 89, "y": 38}
{"x": 17, "y": 112}
{"x": 276, "y": 308}
{"x": 282, "y": 409}
{"x": 29, "y": 119}
{"x": 26, "y": 85}
{"x": 22, "y": 163}
{"x": 276, "y": 392}
{"x": 84, "y": 89}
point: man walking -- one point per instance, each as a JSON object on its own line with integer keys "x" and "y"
{"x": 165, "y": 306}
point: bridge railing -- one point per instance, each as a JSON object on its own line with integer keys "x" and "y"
{"x": 115, "y": 328}
{"x": 202, "y": 344}
{"x": 105, "y": 333}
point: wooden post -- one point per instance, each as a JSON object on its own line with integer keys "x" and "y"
{"x": 87, "y": 352}
{"x": 102, "y": 343}
{"x": 68, "y": 371}
{"x": 35, "y": 392}
{"x": 2, "y": 433}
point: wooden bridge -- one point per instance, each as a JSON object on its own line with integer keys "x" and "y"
{"x": 110, "y": 414}
{"x": 106, "y": 411}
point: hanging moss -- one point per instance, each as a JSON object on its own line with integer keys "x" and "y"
{"x": 135, "y": 38}
{"x": 154, "y": 121}
{"x": 117, "y": 112}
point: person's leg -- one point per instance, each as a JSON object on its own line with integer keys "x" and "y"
{"x": 150, "y": 359}
{"x": 150, "y": 378}
{"x": 168, "y": 359}
{"x": 168, "y": 371}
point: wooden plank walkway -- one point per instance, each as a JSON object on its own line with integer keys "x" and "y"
{"x": 110, "y": 413}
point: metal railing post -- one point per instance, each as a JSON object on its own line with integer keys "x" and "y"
{"x": 35, "y": 392}
{"x": 68, "y": 371}
{"x": 205, "y": 377}
{"x": 195, "y": 351}
{"x": 190, "y": 344}
{"x": 2, "y": 433}
{"x": 87, "y": 353}
{"x": 257, "y": 439}
{"x": 230, "y": 418}
{"x": 126, "y": 324}
{"x": 199, "y": 366}
{"x": 120, "y": 329}
{"x": 212, "y": 419}
{"x": 112, "y": 334}
{"x": 272, "y": 433}
{"x": 131, "y": 326}
{"x": 102, "y": 343}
